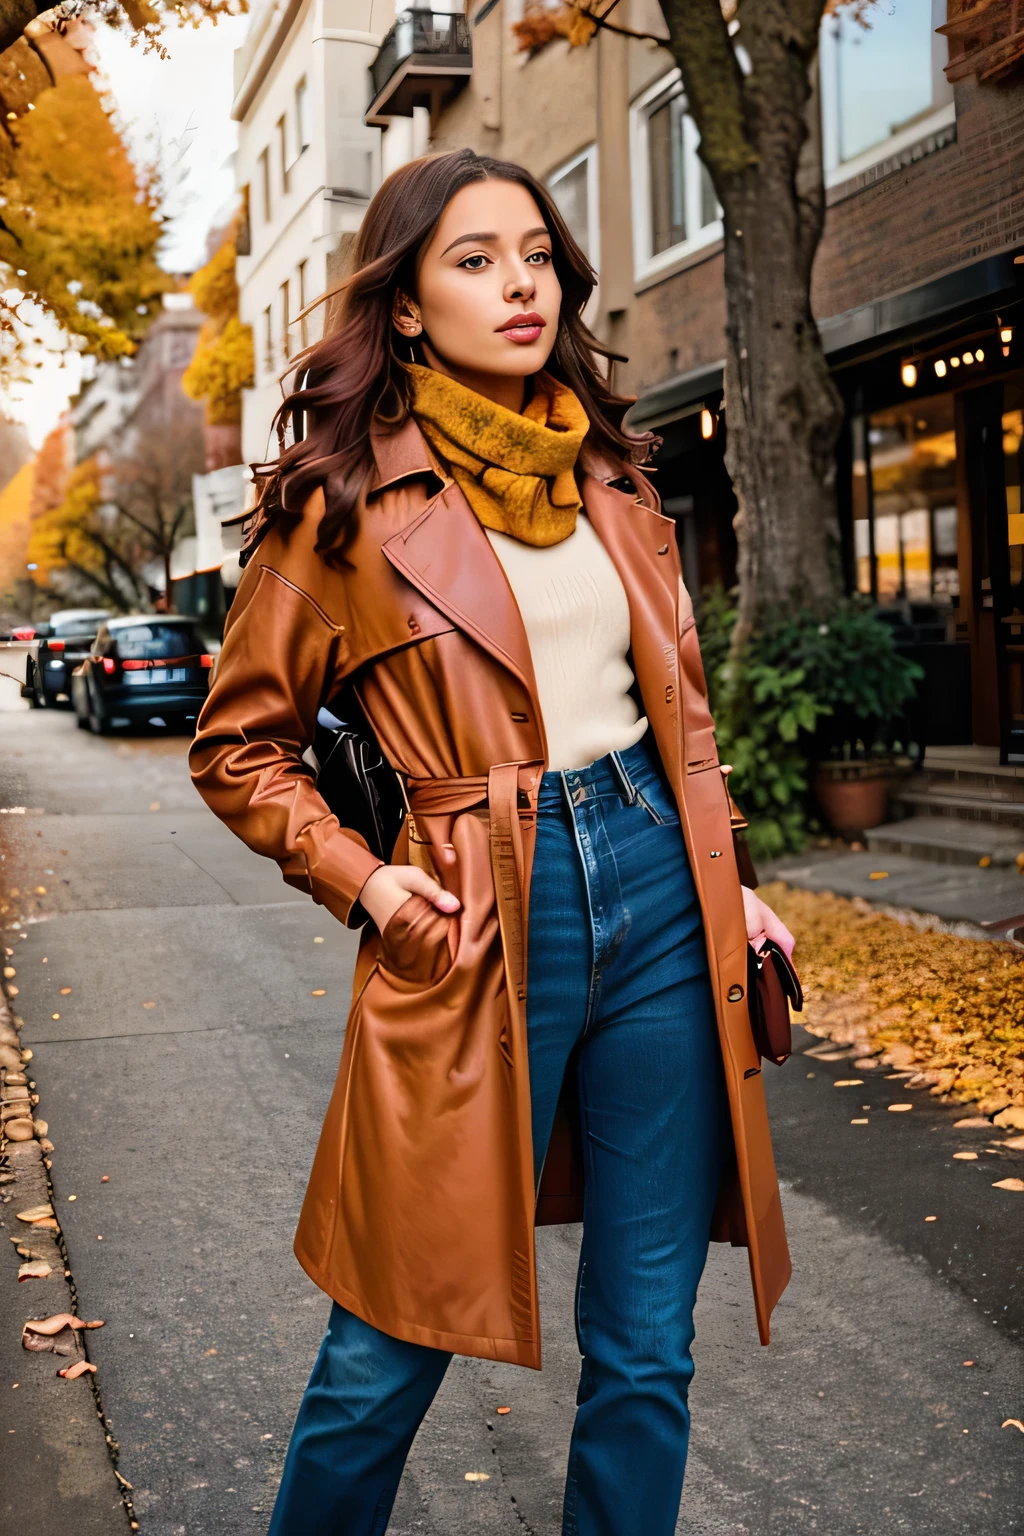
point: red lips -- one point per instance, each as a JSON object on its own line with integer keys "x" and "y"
{"x": 529, "y": 320}
{"x": 523, "y": 329}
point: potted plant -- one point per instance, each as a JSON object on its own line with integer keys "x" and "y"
{"x": 811, "y": 715}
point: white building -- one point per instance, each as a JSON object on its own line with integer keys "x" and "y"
{"x": 307, "y": 166}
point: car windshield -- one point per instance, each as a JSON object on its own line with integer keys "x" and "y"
{"x": 77, "y": 629}
{"x": 140, "y": 642}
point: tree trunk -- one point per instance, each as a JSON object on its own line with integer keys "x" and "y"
{"x": 168, "y": 598}
{"x": 782, "y": 410}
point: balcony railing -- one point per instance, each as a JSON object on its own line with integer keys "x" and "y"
{"x": 424, "y": 59}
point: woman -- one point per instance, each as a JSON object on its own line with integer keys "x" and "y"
{"x": 549, "y": 990}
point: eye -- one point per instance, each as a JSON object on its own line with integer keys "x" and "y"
{"x": 539, "y": 258}
{"x": 475, "y": 263}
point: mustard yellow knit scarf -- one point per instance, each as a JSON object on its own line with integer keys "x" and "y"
{"x": 516, "y": 471}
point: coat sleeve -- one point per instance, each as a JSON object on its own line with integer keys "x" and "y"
{"x": 281, "y": 652}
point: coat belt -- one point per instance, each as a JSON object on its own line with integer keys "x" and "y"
{"x": 508, "y": 794}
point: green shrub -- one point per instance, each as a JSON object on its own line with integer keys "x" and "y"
{"x": 799, "y": 691}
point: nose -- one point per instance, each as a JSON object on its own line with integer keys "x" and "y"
{"x": 521, "y": 283}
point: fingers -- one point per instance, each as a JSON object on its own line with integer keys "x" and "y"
{"x": 776, "y": 929}
{"x": 418, "y": 883}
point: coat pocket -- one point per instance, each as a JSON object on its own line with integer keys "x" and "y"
{"x": 417, "y": 944}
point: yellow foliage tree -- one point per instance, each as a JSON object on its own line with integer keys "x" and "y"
{"x": 223, "y": 363}
{"x": 80, "y": 222}
{"x": 71, "y": 536}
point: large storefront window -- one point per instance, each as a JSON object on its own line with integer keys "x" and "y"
{"x": 905, "y": 474}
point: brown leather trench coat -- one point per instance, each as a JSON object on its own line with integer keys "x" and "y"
{"x": 420, "y": 1211}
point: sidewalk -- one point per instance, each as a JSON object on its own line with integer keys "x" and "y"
{"x": 988, "y": 902}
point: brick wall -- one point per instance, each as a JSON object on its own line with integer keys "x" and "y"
{"x": 950, "y": 208}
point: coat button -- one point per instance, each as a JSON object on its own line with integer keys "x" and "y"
{"x": 716, "y": 853}
{"x": 663, "y": 550}
{"x": 735, "y": 993}
{"x": 414, "y": 627}
{"x": 670, "y": 693}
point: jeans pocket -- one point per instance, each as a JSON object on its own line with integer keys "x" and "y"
{"x": 657, "y": 801}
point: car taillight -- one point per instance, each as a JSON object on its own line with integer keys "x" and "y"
{"x": 206, "y": 661}
{"x": 55, "y": 645}
{"x": 24, "y": 633}
{"x": 135, "y": 666}
{"x": 109, "y": 663}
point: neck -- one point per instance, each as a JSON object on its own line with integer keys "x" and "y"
{"x": 508, "y": 390}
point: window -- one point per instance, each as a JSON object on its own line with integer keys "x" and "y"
{"x": 268, "y": 340}
{"x": 282, "y": 152}
{"x": 303, "y": 336}
{"x": 675, "y": 207}
{"x": 264, "y": 172}
{"x": 882, "y": 85}
{"x": 301, "y": 117}
{"x": 574, "y": 191}
{"x": 286, "y": 341}
{"x": 904, "y": 502}
{"x": 243, "y": 239}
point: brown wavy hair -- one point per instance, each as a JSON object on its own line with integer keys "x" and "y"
{"x": 354, "y": 379}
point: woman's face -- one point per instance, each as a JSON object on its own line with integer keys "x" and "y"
{"x": 487, "y": 299}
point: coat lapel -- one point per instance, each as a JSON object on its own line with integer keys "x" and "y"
{"x": 641, "y": 543}
{"x": 446, "y": 554}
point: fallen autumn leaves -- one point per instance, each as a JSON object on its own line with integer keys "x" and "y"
{"x": 949, "y": 1010}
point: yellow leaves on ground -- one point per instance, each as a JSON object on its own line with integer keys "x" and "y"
{"x": 35, "y": 1213}
{"x": 947, "y": 1010}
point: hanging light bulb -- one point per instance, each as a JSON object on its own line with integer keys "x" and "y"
{"x": 707, "y": 424}
{"x": 1006, "y": 334}
{"x": 979, "y": 356}
{"x": 940, "y": 367}
{"x": 954, "y": 362}
{"x": 908, "y": 373}
{"x": 968, "y": 357}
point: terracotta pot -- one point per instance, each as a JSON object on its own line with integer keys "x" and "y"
{"x": 853, "y": 797}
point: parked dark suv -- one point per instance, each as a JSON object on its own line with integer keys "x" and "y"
{"x": 147, "y": 667}
{"x": 63, "y": 644}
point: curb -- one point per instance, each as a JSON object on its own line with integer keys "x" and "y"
{"x": 54, "y": 1456}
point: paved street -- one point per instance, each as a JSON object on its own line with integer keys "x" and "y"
{"x": 192, "y": 1062}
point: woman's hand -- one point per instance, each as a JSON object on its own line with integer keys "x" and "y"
{"x": 390, "y": 886}
{"x": 763, "y": 924}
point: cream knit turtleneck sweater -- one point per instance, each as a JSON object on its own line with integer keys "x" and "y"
{"x": 577, "y": 622}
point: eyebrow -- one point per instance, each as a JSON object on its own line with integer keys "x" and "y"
{"x": 482, "y": 238}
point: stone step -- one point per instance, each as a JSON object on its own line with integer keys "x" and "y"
{"x": 924, "y": 801}
{"x": 1004, "y": 786}
{"x": 949, "y": 840}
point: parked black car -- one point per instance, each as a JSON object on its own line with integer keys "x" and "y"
{"x": 146, "y": 667}
{"x": 63, "y": 645}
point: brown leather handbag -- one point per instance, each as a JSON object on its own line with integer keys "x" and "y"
{"x": 773, "y": 986}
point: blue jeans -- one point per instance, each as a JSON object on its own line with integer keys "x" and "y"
{"x": 618, "y": 995}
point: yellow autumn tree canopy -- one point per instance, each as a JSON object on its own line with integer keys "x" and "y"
{"x": 61, "y": 534}
{"x": 82, "y": 224}
{"x": 223, "y": 363}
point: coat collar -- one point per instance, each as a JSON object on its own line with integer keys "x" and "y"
{"x": 445, "y": 553}
{"x": 401, "y": 453}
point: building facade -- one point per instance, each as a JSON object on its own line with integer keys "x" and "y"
{"x": 918, "y": 290}
{"x": 307, "y": 165}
